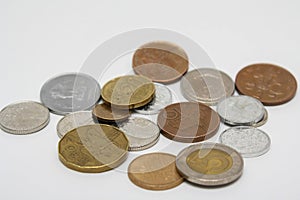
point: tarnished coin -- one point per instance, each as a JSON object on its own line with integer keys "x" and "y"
{"x": 160, "y": 61}
{"x": 141, "y": 133}
{"x": 24, "y": 118}
{"x": 248, "y": 141}
{"x": 93, "y": 148}
{"x": 163, "y": 97}
{"x": 241, "y": 110}
{"x": 74, "y": 120}
{"x": 210, "y": 164}
{"x": 271, "y": 84}
{"x": 206, "y": 85}
{"x": 188, "y": 122}
{"x": 154, "y": 171}
{"x": 106, "y": 114}
{"x": 70, "y": 93}
{"x": 128, "y": 92}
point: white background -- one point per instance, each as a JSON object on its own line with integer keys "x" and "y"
{"x": 40, "y": 39}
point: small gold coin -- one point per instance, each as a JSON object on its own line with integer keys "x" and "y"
{"x": 106, "y": 114}
{"x": 93, "y": 148}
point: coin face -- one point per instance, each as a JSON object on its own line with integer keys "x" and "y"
{"x": 206, "y": 85}
{"x": 271, "y": 84}
{"x": 128, "y": 92}
{"x": 248, "y": 141}
{"x": 210, "y": 164}
{"x": 154, "y": 171}
{"x": 70, "y": 93}
{"x": 163, "y": 97}
{"x": 160, "y": 61}
{"x": 93, "y": 148}
{"x": 263, "y": 121}
{"x": 241, "y": 110}
{"x": 24, "y": 118}
{"x": 106, "y": 114}
{"x": 188, "y": 122}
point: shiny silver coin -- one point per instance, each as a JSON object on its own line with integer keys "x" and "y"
{"x": 74, "y": 120}
{"x": 163, "y": 98}
{"x": 210, "y": 164}
{"x": 70, "y": 93}
{"x": 24, "y": 118}
{"x": 263, "y": 121}
{"x": 248, "y": 141}
{"x": 241, "y": 110}
{"x": 141, "y": 133}
{"x": 206, "y": 85}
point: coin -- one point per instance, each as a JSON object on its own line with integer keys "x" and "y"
{"x": 70, "y": 93}
{"x": 24, "y": 118}
{"x": 163, "y": 97}
{"x": 106, "y": 114}
{"x": 93, "y": 148}
{"x": 154, "y": 171}
{"x": 74, "y": 120}
{"x": 141, "y": 133}
{"x": 128, "y": 92}
{"x": 160, "y": 61}
{"x": 263, "y": 121}
{"x": 248, "y": 141}
{"x": 241, "y": 110}
{"x": 188, "y": 122}
{"x": 210, "y": 164}
{"x": 271, "y": 84}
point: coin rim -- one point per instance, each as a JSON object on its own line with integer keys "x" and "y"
{"x": 110, "y": 120}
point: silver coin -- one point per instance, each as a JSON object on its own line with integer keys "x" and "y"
{"x": 241, "y": 110}
{"x": 70, "y": 93}
{"x": 206, "y": 85}
{"x": 217, "y": 169}
{"x": 74, "y": 120}
{"x": 141, "y": 133}
{"x": 263, "y": 121}
{"x": 248, "y": 141}
{"x": 24, "y": 118}
{"x": 163, "y": 97}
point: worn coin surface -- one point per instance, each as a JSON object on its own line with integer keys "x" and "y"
{"x": 188, "y": 122}
{"x": 93, "y": 148}
{"x": 106, "y": 114}
{"x": 128, "y": 92}
{"x": 210, "y": 164}
{"x": 248, "y": 141}
{"x": 271, "y": 84}
{"x": 24, "y": 118}
{"x": 163, "y": 97}
{"x": 206, "y": 85}
{"x": 160, "y": 61}
{"x": 71, "y": 92}
{"x": 154, "y": 171}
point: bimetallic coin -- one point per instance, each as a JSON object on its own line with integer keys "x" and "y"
{"x": 106, "y": 114}
{"x": 24, "y": 118}
{"x": 210, "y": 164}
{"x": 241, "y": 110}
{"x": 206, "y": 85}
{"x": 70, "y": 93}
{"x": 141, "y": 133}
{"x": 154, "y": 171}
{"x": 93, "y": 148}
{"x": 248, "y": 141}
{"x": 163, "y": 97}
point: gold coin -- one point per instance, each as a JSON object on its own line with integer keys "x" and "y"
{"x": 106, "y": 114}
{"x": 93, "y": 148}
{"x": 128, "y": 92}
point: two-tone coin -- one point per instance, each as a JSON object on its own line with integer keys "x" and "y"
{"x": 107, "y": 114}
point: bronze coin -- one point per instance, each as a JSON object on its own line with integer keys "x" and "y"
{"x": 160, "y": 61}
{"x": 154, "y": 171}
{"x": 107, "y": 114}
{"x": 188, "y": 122}
{"x": 271, "y": 84}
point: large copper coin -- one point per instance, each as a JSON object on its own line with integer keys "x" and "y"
{"x": 154, "y": 171}
{"x": 271, "y": 84}
{"x": 160, "y": 61}
{"x": 188, "y": 122}
{"x": 106, "y": 114}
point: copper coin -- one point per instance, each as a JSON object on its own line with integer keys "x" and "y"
{"x": 154, "y": 171}
{"x": 188, "y": 122}
{"x": 271, "y": 84}
{"x": 107, "y": 114}
{"x": 160, "y": 61}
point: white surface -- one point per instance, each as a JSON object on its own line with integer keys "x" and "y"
{"x": 41, "y": 39}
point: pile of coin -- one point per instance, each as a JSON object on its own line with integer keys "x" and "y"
{"x": 96, "y": 137}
